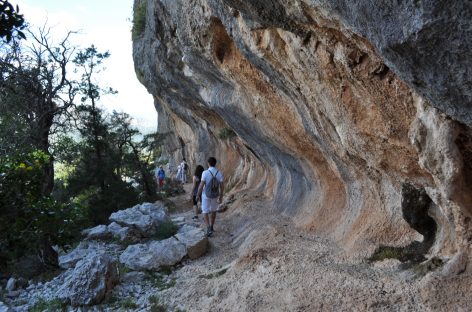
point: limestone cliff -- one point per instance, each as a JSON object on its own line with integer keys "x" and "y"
{"x": 351, "y": 118}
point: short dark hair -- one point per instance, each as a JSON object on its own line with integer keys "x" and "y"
{"x": 212, "y": 161}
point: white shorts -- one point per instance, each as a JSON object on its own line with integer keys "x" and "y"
{"x": 209, "y": 204}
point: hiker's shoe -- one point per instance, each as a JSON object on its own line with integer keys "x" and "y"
{"x": 195, "y": 218}
{"x": 209, "y": 232}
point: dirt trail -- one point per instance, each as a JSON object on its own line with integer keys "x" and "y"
{"x": 258, "y": 261}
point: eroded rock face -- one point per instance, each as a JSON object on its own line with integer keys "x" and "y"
{"x": 335, "y": 104}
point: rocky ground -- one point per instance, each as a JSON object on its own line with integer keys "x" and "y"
{"x": 258, "y": 261}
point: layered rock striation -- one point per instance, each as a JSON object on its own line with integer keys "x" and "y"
{"x": 352, "y": 118}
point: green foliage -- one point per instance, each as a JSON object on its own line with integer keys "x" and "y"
{"x": 172, "y": 187}
{"x": 170, "y": 205}
{"x": 226, "y": 134}
{"x": 26, "y": 216}
{"x": 214, "y": 274}
{"x": 430, "y": 265}
{"x": 386, "y": 252}
{"x": 129, "y": 304}
{"x": 156, "y": 306}
{"x": 11, "y": 21}
{"x": 20, "y": 177}
{"x": 165, "y": 230}
{"x": 139, "y": 19}
{"x": 51, "y": 306}
{"x": 159, "y": 282}
{"x": 166, "y": 269}
{"x": 103, "y": 163}
{"x": 122, "y": 269}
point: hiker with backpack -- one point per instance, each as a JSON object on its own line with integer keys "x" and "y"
{"x": 197, "y": 177}
{"x": 211, "y": 192}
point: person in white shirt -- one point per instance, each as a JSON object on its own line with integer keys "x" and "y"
{"x": 178, "y": 175}
{"x": 184, "y": 167}
{"x": 211, "y": 191}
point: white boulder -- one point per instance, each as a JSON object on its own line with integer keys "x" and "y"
{"x": 90, "y": 280}
{"x": 153, "y": 255}
{"x": 145, "y": 217}
{"x": 194, "y": 239}
{"x": 124, "y": 233}
{"x": 99, "y": 232}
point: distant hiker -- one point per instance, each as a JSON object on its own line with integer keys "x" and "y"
{"x": 180, "y": 172}
{"x": 197, "y": 178}
{"x": 160, "y": 176}
{"x": 184, "y": 166}
{"x": 211, "y": 192}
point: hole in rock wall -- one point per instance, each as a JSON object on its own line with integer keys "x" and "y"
{"x": 222, "y": 43}
{"x": 464, "y": 144}
{"x": 415, "y": 206}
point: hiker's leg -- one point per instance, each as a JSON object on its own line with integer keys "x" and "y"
{"x": 207, "y": 220}
{"x": 212, "y": 219}
{"x": 206, "y": 210}
{"x": 195, "y": 206}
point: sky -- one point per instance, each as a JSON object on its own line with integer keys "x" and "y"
{"x": 107, "y": 25}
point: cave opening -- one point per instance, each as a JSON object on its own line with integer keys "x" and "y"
{"x": 415, "y": 205}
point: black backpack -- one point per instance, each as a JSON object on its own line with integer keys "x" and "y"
{"x": 185, "y": 166}
{"x": 212, "y": 190}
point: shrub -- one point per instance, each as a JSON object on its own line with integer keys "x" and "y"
{"x": 386, "y": 252}
{"x": 129, "y": 304}
{"x": 165, "y": 230}
{"x": 226, "y": 134}
{"x": 139, "y": 19}
{"x": 156, "y": 306}
{"x": 158, "y": 281}
{"x": 27, "y": 218}
{"x": 52, "y": 305}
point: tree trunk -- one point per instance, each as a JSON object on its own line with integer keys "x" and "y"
{"x": 42, "y": 143}
{"x": 47, "y": 255}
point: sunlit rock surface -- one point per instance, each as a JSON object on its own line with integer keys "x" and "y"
{"x": 336, "y": 105}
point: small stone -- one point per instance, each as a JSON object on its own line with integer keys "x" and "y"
{"x": 178, "y": 220}
{"x": 14, "y": 293}
{"x": 4, "y": 307}
{"x": 100, "y": 232}
{"x": 133, "y": 277}
{"x": 11, "y": 284}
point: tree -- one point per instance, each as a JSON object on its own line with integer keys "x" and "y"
{"x": 89, "y": 63}
{"x": 11, "y": 21}
{"x": 36, "y": 93}
{"x": 134, "y": 156}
